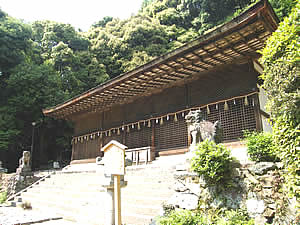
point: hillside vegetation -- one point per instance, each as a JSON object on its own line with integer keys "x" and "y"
{"x": 46, "y": 62}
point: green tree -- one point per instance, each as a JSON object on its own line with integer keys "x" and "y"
{"x": 14, "y": 42}
{"x": 49, "y": 34}
{"x": 30, "y": 88}
{"x": 283, "y": 7}
{"x": 103, "y": 22}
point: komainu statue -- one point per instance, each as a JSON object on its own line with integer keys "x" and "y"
{"x": 201, "y": 129}
{"x": 24, "y": 163}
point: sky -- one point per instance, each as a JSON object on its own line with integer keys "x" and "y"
{"x": 79, "y": 13}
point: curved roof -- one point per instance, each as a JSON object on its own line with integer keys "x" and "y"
{"x": 238, "y": 39}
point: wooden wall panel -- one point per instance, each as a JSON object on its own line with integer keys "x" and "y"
{"x": 172, "y": 134}
{"x": 86, "y": 123}
{"x": 138, "y": 110}
{"x": 223, "y": 85}
{"x": 169, "y": 100}
{"x": 113, "y": 117}
{"x": 139, "y": 138}
{"x": 214, "y": 87}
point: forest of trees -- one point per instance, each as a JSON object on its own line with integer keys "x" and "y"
{"x": 45, "y": 63}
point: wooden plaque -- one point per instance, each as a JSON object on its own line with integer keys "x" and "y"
{"x": 114, "y": 158}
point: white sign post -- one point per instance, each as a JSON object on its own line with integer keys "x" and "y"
{"x": 114, "y": 167}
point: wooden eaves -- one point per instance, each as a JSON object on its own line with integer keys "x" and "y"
{"x": 238, "y": 39}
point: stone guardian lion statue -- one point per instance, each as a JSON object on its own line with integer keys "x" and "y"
{"x": 24, "y": 163}
{"x": 199, "y": 128}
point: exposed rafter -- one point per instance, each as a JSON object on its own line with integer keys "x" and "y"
{"x": 235, "y": 41}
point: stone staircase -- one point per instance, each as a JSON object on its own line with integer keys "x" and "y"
{"x": 76, "y": 193}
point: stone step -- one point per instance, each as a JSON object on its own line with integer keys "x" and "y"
{"x": 145, "y": 192}
{"x": 64, "y": 197}
{"x": 131, "y": 214}
{"x": 90, "y": 217}
{"x": 155, "y": 185}
{"x": 144, "y": 200}
{"x": 72, "y": 212}
{"x": 135, "y": 187}
{"x": 77, "y": 196}
{"x": 132, "y": 183}
{"x": 146, "y": 210}
{"x": 144, "y": 197}
{"x": 72, "y": 180}
{"x": 63, "y": 187}
{"x": 148, "y": 180}
{"x": 136, "y": 219}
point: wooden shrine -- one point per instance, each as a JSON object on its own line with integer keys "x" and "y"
{"x": 216, "y": 73}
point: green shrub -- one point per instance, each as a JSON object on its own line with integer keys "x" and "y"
{"x": 280, "y": 59}
{"x": 235, "y": 217}
{"x": 183, "y": 217}
{"x": 260, "y": 146}
{"x": 212, "y": 161}
{"x": 186, "y": 217}
{"x": 3, "y": 197}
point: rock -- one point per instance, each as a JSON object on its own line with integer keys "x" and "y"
{"x": 260, "y": 220}
{"x": 267, "y": 192}
{"x": 269, "y": 213}
{"x": 217, "y": 203}
{"x": 195, "y": 189}
{"x": 272, "y": 206}
{"x": 240, "y": 154}
{"x": 180, "y": 187}
{"x": 236, "y": 172}
{"x": 279, "y": 165}
{"x": 267, "y": 181}
{"x": 255, "y": 206}
{"x": 262, "y": 168}
{"x": 183, "y": 175}
{"x": 184, "y": 201}
{"x": 233, "y": 200}
{"x": 251, "y": 178}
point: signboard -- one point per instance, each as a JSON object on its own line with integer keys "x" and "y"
{"x": 114, "y": 158}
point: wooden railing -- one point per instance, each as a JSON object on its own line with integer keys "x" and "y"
{"x": 138, "y": 155}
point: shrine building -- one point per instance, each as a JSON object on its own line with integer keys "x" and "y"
{"x": 217, "y": 73}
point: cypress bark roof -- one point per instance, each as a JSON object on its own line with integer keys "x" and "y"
{"x": 235, "y": 41}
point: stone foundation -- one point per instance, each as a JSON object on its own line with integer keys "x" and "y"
{"x": 254, "y": 187}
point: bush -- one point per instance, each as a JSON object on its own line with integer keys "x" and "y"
{"x": 235, "y": 217}
{"x": 3, "y": 197}
{"x": 186, "y": 217}
{"x": 183, "y": 217}
{"x": 212, "y": 161}
{"x": 260, "y": 146}
{"x": 280, "y": 59}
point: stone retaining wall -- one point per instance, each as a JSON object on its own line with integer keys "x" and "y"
{"x": 254, "y": 187}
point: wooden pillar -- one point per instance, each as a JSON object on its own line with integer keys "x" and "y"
{"x": 117, "y": 199}
{"x": 153, "y": 140}
{"x": 73, "y": 149}
{"x": 189, "y": 137}
{"x": 102, "y": 128}
{"x": 123, "y": 137}
{"x": 187, "y": 103}
{"x": 257, "y": 114}
{"x": 86, "y": 149}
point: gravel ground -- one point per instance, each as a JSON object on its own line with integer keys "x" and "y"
{"x": 19, "y": 216}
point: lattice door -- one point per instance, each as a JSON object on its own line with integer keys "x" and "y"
{"x": 171, "y": 134}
